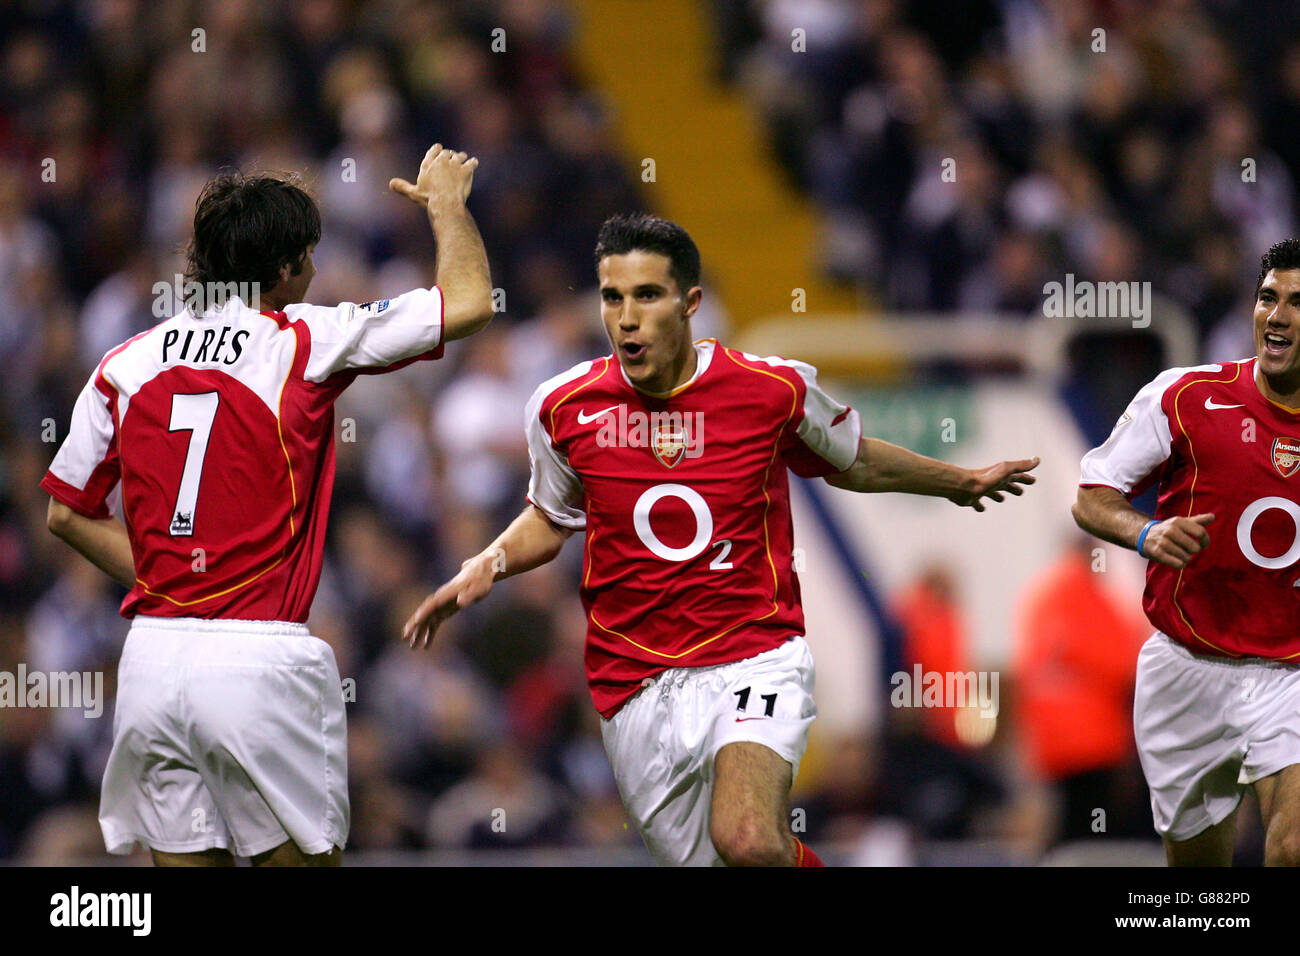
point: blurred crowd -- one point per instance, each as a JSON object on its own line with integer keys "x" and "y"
{"x": 1105, "y": 139}
{"x": 964, "y": 155}
{"x": 1123, "y": 164}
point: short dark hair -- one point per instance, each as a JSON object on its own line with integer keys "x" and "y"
{"x": 1280, "y": 255}
{"x": 247, "y": 226}
{"x": 642, "y": 232}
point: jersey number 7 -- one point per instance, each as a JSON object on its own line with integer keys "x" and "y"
{"x": 192, "y": 413}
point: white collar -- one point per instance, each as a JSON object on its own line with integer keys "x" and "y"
{"x": 703, "y": 356}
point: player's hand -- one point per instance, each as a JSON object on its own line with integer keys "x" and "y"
{"x": 444, "y": 175}
{"x": 468, "y": 587}
{"x": 991, "y": 482}
{"x": 1175, "y": 540}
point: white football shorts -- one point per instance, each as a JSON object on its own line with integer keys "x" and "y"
{"x": 226, "y": 734}
{"x": 1208, "y": 727}
{"x": 662, "y": 742}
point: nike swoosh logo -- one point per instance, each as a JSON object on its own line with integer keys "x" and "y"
{"x": 1210, "y": 404}
{"x": 584, "y": 418}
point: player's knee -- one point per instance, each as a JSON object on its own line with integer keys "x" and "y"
{"x": 288, "y": 854}
{"x": 1282, "y": 844}
{"x": 747, "y": 841}
{"x": 213, "y": 857}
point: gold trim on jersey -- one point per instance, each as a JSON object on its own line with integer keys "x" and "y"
{"x": 208, "y": 597}
{"x": 680, "y": 388}
{"x": 1285, "y": 408}
{"x": 1255, "y": 376}
{"x": 695, "y": 378}
{"x": 776, "y": 445}
{"x": 689, "y": 650}
{"x": 279, "y": 427}
{"x": 591, "y": 536}
{"x": 573, "y": 391}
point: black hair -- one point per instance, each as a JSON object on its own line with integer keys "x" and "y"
{"x": 247, "y": 226}
{"x": 642, "y": 232}
{"x": 1280, "y": 255}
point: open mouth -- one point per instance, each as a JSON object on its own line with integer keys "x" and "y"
{"x": 1275, "y": 343}
{"x": 633, "y": 351}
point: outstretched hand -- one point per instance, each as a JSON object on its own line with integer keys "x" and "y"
{"x": 991, "y": 482}
{"x": 444, "y": 174}
{"x": 468, "y": 587}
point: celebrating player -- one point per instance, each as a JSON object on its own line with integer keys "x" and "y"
{"x": 216, "y": 429}
{"x": 1217, "y": 704}
{"x": 672, "y": 455}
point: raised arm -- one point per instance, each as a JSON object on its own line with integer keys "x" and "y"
{"x": 1107, "y": 514}
{"x": 441, "y": 188}
{"x": 530, "y": 540}
{"x": 881, "y": 466}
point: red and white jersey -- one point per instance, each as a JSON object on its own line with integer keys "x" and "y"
{"x": 686, "y": 505}
{"x": 218, "y": 431}
{"x": 1216, "y": 445}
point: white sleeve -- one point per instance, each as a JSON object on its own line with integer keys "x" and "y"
{"x": 1139, "y": 443}
{"x": 85, "y": 474}
{"x": 831, "y": 430}
{"x": 372, "y": 335}
{"x": 553, "y": 486}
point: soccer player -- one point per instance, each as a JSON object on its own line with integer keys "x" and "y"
{"x": 1217, "y": 701}
{"x": 214, "y": 432}
{"x": 672, "y": 456}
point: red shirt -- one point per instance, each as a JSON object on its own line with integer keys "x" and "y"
{"x": 217, "y": 433}
{"x": 1215, "y": 444}
{"x": 686, "y": 505}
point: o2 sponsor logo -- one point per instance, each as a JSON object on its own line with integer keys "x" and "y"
{"x": 1246, "y": 523}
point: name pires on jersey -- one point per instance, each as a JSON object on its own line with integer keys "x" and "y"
{"x": 209, "y": 339}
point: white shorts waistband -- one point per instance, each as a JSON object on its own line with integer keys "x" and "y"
{"x": 222, "y": 625}
{"x": 1184, "y": 651}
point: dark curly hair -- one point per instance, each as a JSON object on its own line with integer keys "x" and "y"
{"x": 628, "y": 232}
{"x": 247, "y": 226}
{"x": 1280, "y": 255}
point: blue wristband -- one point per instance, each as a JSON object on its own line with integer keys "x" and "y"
{"x": 1143, "y": 536}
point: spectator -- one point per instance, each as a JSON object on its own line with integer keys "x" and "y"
{"x": 1075, "y": 663}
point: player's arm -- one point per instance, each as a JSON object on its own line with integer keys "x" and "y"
{"x": 79, "y": 481}
{"x": 102, "y": 541}
{"x": 1136, "y": 453}
{"x": 554, "y": 512}
{"x": 441, "y": 188}
{"x": 1107, "y": 514}
{"x": 531, "y": 540}
{"x": 881, "y": 466}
